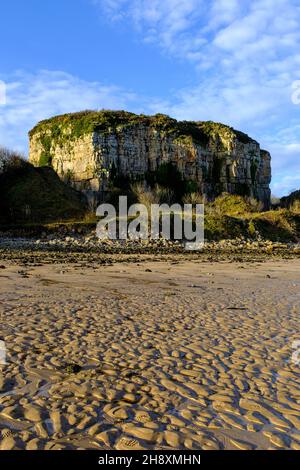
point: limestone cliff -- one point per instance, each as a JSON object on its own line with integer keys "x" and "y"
{"x": 90, "y": 147}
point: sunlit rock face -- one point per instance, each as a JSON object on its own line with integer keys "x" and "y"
{"x": 89, "y": 149}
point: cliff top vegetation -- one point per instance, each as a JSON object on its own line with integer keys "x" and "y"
{"x": 76, "y": 125}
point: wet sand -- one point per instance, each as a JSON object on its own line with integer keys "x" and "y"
{"x": 173, "y": 355}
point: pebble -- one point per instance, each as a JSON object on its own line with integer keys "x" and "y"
{"x": 8, "y": 443}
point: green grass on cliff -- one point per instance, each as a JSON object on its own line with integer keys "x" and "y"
{"x": 59, "y": 130}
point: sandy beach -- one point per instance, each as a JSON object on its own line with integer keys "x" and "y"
{"x": 150, "y": 355}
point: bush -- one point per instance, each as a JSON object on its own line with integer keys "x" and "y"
{"x": 277, "y": 225}
{"x": 194, "y": 198}
{"x": 255, "y": 205}
{"x": 251, "y": 229}
{"x": 275, "y": 201}
{"x": 295, "y": 207}
{"x": 228, "y": 204}
{"x": 147, "y": 196}
{"x": 10, "y": 160}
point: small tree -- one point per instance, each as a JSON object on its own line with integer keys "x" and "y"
{"x": 10, "y": 160}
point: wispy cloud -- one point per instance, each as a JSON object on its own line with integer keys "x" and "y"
{"x": 246, "y": 55}
{"x": 239, "y": 28}
{"x": 285, "y": 184}
{"x": 33, "y": 97}
{"x": 168, "y": 23}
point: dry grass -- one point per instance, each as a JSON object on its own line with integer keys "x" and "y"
{"x": 295, "y": 207}
{"x": 194, "y": 198}
{"x": 148, "y": 196}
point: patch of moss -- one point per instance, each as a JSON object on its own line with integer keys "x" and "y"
{"x": 45, "y": 159}
{"x": 46, "y": 142}
{"x": 185, "y": 140}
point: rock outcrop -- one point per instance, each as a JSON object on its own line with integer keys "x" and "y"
{"x": 90, "y": 148}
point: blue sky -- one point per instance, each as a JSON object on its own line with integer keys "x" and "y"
{"x": 226, "y": 60}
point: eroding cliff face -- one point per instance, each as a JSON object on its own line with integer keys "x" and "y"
{"x": 89, "y": 148}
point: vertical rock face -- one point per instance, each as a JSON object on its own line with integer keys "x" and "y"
{"x": 90, "y": 148}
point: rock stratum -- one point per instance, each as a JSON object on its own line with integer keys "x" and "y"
{"x": 91, "y": 148}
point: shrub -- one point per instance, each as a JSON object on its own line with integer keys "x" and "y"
{"x": 147, "y": 196}
{"x": 29, "y": 194}
{"x": 10, "y": 160}
{"x": 228, "y": 204}
{"x": 251, "y": 229}
{"x": 194, "y": 198}
{"x": 163, "y": 195}
{"x": 144, "y": 195}
{"x": 255, "y": 205}
{"x": 295, "y": 207}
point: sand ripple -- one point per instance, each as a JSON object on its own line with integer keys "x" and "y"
{"x": 164, "y": 365}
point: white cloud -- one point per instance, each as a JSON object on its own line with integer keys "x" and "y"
{"x": 167, "y": 22}
{"x": 285, "y": 185}
{"x": 246, "y": 54}
{"x": 33, "y": 97}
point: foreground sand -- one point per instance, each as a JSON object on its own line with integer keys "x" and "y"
{"x": 174, "y": 355}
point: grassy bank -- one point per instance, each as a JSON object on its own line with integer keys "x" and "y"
{"x": 228, "y": 217}
{"x": 34, "y": 202}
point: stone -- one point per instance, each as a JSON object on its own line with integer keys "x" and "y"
{"x": 8, "y": 443}
{"x": 34, "y": 444}
{"x": 87, "y": 150}
{"x": 32, "y": 413}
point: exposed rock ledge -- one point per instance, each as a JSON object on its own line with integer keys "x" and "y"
{"x": 90, "y": 148}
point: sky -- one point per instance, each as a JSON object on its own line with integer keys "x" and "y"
{"x": 231, "y": 61}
